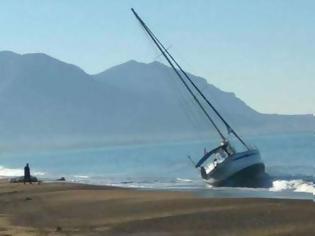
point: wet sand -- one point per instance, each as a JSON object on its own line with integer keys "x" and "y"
{"x": 76, "y": 209}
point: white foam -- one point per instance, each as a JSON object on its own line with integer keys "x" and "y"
{"x": 10, "y": 172}
{"x": 295, "y": 185}
{"x": 81, "y": 176}
{"x": 7, "y": 172}
{"x": 183, "y": 180}
{"x": 39, "y": 173}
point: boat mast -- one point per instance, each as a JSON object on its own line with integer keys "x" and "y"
{"x": 176, "y": 71}
{"x": 170, "y": 58}
{"x": 228, "y": 127}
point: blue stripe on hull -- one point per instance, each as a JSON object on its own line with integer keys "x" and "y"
{"x": 241, "y": 169}
{"x": 243, "y": 156}
{"x": 253, "y": 176}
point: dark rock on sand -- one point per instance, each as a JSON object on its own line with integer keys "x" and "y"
{"x": 61, "y": 179}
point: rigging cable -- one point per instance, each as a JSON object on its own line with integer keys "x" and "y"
{"x": 177, "y": 73}
{"x": 170, "y": 58}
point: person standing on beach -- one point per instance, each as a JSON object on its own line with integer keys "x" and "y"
{"x": 27, "y": 174}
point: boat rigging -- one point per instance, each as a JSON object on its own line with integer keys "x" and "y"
{"x": 227, "y": 162}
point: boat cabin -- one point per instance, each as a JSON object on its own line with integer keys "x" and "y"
{"x": 214, "y": 158}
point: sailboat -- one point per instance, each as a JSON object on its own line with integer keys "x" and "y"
{"x": 224, "y": 165}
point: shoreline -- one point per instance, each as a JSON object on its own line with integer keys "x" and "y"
{"x": 78, "y": 209}
{"x": 200, "y": 191}
{"x": 213, "y": 192}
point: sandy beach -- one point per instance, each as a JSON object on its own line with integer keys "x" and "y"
{"x": 76, "y": 209}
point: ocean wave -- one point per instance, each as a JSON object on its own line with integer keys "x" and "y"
{"x": 11, "y": 172}
{"x": 183, "y": 180}
{"x": 81, "y": 176}
{"x": 297, "y": 185}
{"x": 37, "y": 173}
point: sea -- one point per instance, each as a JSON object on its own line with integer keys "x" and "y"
{"x": 289, "y": 160}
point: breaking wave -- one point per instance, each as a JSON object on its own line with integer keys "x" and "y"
{"x": 11, "y": 172}
{"x": 297, "y": 185}
{"x": 81, "y": 176}
{"x": 7, "y": 172}
{"x": 183, "y": 180}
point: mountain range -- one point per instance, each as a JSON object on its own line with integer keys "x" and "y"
{"x": 47, "y": 102}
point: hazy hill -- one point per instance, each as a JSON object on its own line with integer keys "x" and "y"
{"x": 45, "y": 101}
{"x": 157, "y": 81}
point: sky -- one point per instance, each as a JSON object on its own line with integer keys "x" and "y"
{"x": 262, "y": 50}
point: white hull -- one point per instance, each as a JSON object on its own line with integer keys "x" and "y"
{"x": 248, "y": 163}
